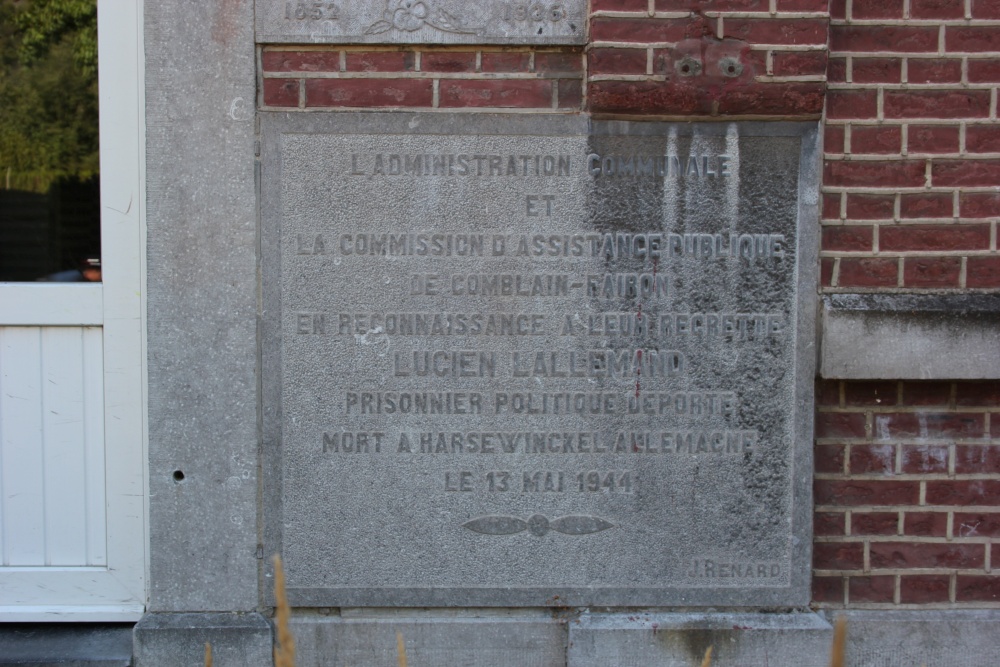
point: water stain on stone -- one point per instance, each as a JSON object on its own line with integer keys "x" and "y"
{"x": 227, "y": 20}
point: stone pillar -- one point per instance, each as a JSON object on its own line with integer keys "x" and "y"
{"x": 202, "y": 337}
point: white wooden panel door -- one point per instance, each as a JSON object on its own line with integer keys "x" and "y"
{"x": 72, "y": 436}
{"x": 52, "y": 447}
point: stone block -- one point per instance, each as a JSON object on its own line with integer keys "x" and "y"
{"x": 485, "y": 638}
{"x": 178, "y": 640}
{"x": 681, "y": 639}
{"x": 932, "y": 638}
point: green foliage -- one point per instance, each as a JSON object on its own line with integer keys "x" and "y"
{"x": 48, "y": 92}
{"x": 45, "y": 23}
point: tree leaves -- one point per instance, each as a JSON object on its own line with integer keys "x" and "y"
{"x": 48, "y": 92}
{"x": 45, "y": 23}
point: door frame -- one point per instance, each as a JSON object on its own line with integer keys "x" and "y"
{"x": 117, "y": 592}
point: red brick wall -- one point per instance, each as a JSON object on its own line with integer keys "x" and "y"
{"x": 907, "y": 474}
{"x": 912, "y": 143}
{"x": 907, "y": 494}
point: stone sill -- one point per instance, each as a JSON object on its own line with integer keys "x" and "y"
{"x": 910, "y": 337}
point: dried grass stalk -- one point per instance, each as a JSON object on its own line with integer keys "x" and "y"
{"x": 284, "y": 652}
{"x": 707, "y": 660}
{"x": 839, "y": 642}
{"x": 400, "y": 650}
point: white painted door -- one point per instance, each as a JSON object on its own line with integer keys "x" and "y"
{"x": 72, "y": 510}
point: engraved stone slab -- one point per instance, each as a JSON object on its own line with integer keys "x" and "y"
{"x": 531, "y": 361}
{"x": 508, "y": 22}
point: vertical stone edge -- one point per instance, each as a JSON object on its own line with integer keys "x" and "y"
{"x": 810, "y": 175}
{"x": 269, "y": 327}
{"x": 202, "y": 302}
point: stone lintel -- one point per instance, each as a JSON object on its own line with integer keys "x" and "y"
{"x": 439, "y": 22}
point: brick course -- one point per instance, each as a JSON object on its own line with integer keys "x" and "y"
{"x": 422, "y": 78}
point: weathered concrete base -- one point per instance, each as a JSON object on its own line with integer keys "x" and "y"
{"x": 178, "y": 640}
{"x": 960, "y": 638}
{"x": 432, "y": 638}
{"x": 66, "y": 644}
{"x": 541, "y": 638}
{"x": 681, "y": 639}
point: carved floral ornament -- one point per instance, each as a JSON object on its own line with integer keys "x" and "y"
{"x": 537, "y": 525}
{"x": 411, "y": 15}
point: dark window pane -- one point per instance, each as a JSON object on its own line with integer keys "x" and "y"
{"x": 48, "y": 233}
{"x": 49, "y": 161}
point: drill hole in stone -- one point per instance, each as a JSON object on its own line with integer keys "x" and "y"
{"x": 178, "y": 476}
{"x": 730, "y": 67}
{"x": 687, "y": 66}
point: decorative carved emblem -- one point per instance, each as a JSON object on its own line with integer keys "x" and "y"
{"x": 412, "y": 15}
{"x": 537, "y": 525}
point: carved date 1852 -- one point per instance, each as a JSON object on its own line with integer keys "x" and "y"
{"x": 311, "y": 11}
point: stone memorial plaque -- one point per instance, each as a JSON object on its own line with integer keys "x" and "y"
{"x": 530, "y": 360}
{"x": 422, "y": 21}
